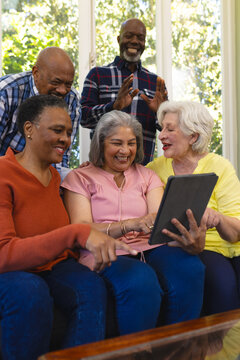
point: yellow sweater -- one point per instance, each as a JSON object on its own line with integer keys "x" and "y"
{"x": 225, "y": 197}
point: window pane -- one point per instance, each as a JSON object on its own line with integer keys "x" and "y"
{"x": 110, "y": 14}
{"x": 196, "y": 56}
{"x": 31, "y": 25}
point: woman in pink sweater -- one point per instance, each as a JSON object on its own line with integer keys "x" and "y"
{"x": 120, "y": 197}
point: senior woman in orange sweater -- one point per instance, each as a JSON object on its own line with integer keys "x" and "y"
{"x": 39, "y": 248}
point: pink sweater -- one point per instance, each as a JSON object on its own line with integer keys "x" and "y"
{"x": 110, "y": 203}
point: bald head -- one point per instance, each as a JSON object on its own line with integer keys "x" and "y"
{"x": 53, "y": 72}
{"x": 133, "y": 23}
{"x": 132, "y": 40}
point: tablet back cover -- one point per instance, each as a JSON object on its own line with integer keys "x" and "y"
{"x": 182, "y": 192}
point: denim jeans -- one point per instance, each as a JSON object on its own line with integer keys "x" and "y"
{"x": 222, "y": 282}
{"x": 26, "y": 308}
{"x": 181, "y": 277}
{"x": 170, "y": 279}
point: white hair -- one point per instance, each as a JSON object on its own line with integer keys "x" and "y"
{"x": 193, "y": 118}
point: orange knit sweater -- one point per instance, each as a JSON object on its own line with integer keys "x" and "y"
{"x": 35, "y": 232}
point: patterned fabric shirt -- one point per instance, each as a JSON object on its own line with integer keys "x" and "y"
{"x": 100, "y": 91}
{"x": 16, "y": 88}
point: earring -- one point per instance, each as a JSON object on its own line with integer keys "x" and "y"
{"x": 29, "y": 137}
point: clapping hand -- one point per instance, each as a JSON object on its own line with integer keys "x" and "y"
{"x": 125, "y": 94}
{"x": 161, "y": 95}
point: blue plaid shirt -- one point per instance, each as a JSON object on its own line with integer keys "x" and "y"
{"x": 100, "y": 91}
{"x": 16, "y": 88}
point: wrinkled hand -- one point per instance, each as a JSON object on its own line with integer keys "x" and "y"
{"x": 125, "y": 94}
{"x": 213, "y": 218}
{"x": 142, "y": 224}
{"x": 103, "y": 248}
{"x": 192, "y": 241}
{"x": 161, "y": 95}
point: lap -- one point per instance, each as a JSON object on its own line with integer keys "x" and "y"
{"x": 129, "y": 269}
{"x": 218, "y": 265}
{"x": 21, "y": 288}
{"x": 222, "y": 285}
{"x": 71, "y": 281}
{"x": 174, "y": 261}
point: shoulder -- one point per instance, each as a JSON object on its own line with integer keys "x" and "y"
{"x": 73, "y": 98}
{"x": 8, "y": 168}
{"x": 158, "y": 163}
{"x": 15, "y": 80}
{"x": 217, "y": 163}
{"x": 74, "y": 93}
{"x": 149, "y": 73}
{"x": 98, "y": 70}
{"x": 145, "y": 172}
{"x": 85, "y": 174}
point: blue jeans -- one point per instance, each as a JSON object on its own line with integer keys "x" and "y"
{"x": 170, "y": 279}
{"x": 181, "y": 277}
{"x": 26, "y": 308}
{"x": 222, "y": 282}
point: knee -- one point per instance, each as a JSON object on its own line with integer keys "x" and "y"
{"x": 26, "y": 291}
{"x": 190, "y": 267}
{"x": 143, "y": 282}
{"x": 83, "y": 288}
{"x": 197, "y": 268}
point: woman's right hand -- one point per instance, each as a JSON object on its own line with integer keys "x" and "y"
{"x": 103, "y": 248}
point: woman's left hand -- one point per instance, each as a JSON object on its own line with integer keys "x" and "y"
{"x": 141, "y": 224}
{"x": 192, "y": 240}
{"x": 213, "y": 218}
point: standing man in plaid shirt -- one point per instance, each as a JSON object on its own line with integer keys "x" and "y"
{"x": 125, "y": 85}
{"x": 52, "y": 74}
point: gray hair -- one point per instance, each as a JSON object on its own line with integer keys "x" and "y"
{"x": 193, "y": 118}
{"x": 106, "y": 126}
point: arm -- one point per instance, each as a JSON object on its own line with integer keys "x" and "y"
{"x": 224, "y": 212}
{"x": 27, "y": 253}
{"x": 79, "y": 210}
{"x": 92, "y": 110}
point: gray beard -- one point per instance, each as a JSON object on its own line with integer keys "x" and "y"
{"x": 131, "y": 59}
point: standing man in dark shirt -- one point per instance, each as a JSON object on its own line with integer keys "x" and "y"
{"x": 125, "y": 85}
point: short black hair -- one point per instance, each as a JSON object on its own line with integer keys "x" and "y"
{"x": 32, "y": 108}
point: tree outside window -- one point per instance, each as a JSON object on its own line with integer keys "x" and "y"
{"x": 31, "y": 25}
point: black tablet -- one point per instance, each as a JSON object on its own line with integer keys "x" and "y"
{"x": 182, "y": 192}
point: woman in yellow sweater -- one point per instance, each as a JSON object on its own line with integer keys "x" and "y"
{"x": 185, "y": 136}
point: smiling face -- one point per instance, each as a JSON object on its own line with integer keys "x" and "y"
{"x": 132, "y": 40}
{"x": 119, "y": 150}
{"x": 176, "y": 144}
{"x": 51, "y": 135}
{"x": 54, "y": 76}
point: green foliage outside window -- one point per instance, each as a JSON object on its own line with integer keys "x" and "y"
{"x": 31, "y": 25}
